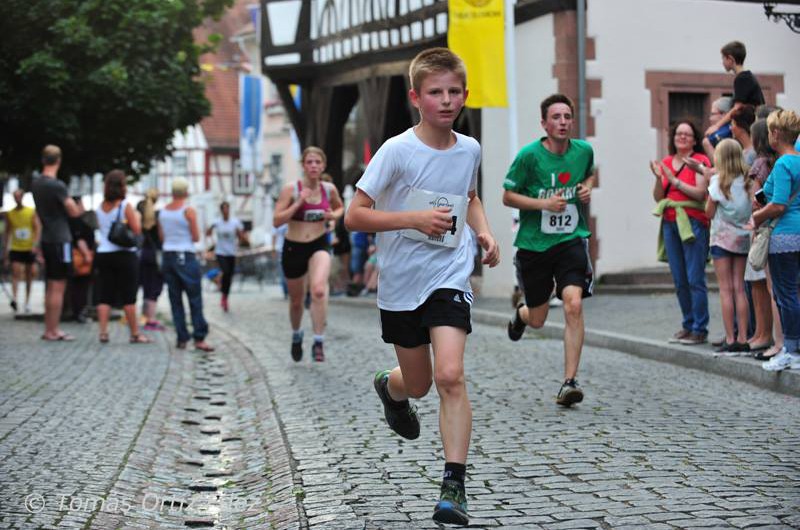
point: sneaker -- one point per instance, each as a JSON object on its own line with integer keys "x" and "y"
{"x": 27, "y": 309}
{"x": 722, "y": 348}
{"x": 297, "y": 349}
{"x": 569, "y": 394}
{"x": 317, "y": 352}
{"x": 693, "y": 338}
{"x": 736, "y": 349}
{"x": 154, "y": 325}
{"x": 682, "y": 334}
{"x": 555, "y": 302}
{"x": 401, "y": 416}
{"x": 782, "y": 361}
{"x": 516, "y": 327}
{"x": 452, "y": 505}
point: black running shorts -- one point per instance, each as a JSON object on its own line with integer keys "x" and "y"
{"x": 21, "y": 256}
{"x": 295, "y": 256}
{"x": 444, "y": 307}
{"x": 564, "y": 264}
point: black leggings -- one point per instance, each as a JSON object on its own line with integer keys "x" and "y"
{"x": 227, "y": 264}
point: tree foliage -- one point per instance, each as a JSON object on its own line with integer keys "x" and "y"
{"x": 109, "y": 81}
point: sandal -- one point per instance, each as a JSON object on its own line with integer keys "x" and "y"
{"x": 103, "y": 337}
{"x": 767, "y": 355}
{"x": 759, "y": 347}
{"x": 140, "y": 339}
{"x": 66, "y": 337}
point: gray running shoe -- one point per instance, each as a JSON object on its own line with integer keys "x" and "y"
{"x": 569, "y": 394}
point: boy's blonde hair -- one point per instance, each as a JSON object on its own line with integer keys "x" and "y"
{"x": 434, "y": 61}
{"x": 730, "y": 164}
{"x": 786, "y": 123}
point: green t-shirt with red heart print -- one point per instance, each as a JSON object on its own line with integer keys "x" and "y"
{"x": 538, "y": 173}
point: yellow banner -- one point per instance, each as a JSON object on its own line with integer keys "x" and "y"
{"x": 475, "y": 33}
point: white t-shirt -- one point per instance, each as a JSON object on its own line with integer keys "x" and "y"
{"x": 410, "y": 270}
{"x": 225, "y": 232}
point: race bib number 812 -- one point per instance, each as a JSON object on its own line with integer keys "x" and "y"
{"x": 560, "y": 222}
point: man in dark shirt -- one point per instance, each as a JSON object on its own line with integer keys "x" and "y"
{"x": 54, "y": 207}
{"x": 746, "y": 90}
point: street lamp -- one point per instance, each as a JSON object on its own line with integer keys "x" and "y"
{"x": 792, "y": 19}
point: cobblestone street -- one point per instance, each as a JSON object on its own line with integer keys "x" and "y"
{"x": 123, "y": 436}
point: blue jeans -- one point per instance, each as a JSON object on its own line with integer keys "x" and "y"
{"x": 784, "y": 268}
{"x": 687, "y": 262}
{"x": 182, "y": 274}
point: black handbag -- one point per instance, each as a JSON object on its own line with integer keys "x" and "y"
{"x": 120, "y": 233}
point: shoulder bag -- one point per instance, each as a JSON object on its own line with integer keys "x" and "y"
{"x": 120, "y": 233}
{"x": 759, "y": 248}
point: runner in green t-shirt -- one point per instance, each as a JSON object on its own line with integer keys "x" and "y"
{"x": 550, "y": 181}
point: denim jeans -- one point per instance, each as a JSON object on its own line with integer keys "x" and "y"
{"x": 182, "y": 274}
{"x": 687, "y": 262}
{"x": 784, "y": 268}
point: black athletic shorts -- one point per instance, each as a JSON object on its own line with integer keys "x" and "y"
{"x": 564, "y": 264}
{"x": 57, "y": 260}
{"x": 444, "y": 307}
{"x": 21, "y": 256}
{"x": 295, "y": 256}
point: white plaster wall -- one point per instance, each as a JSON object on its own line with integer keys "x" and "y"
{"x": 535, "y": 56}
{"x": 632, "y": 37}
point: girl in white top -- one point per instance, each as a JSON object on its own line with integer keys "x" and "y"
{"x": 729, "y": 208}
{"x": 117, "y": 267}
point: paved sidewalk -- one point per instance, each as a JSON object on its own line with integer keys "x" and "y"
{"x": 641, "y": 324}
{"x": 652, "y": 446}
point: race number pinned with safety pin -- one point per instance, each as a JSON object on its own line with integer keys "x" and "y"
{"x": 423, "y": 200}
{"x": 560, "y": 222}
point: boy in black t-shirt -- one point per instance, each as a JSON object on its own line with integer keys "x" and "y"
{"x": 746, "y": 90}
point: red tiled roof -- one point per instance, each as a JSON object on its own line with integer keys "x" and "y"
{"x": 221, "y": 128}
{"x": 221, "y": 74}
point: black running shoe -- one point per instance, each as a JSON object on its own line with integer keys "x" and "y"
{"x": 569, "y": 394}
{"x": 516, "y": 327}
{"x": 297, "y": 349}
{"x": 452, "y": 505}
{"x": 317, "y": 352}
{"x": 401, "y": 416}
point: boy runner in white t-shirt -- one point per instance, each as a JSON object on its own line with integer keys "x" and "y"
{"x": 417, "y": 194}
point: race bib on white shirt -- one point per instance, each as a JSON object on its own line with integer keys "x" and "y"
{"x": 560, "y": 222}
{"x": 423, "y": 200}
{"x": 22, "y": 234}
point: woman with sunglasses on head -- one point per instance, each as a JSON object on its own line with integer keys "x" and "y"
{"x": 782, "y": 210}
